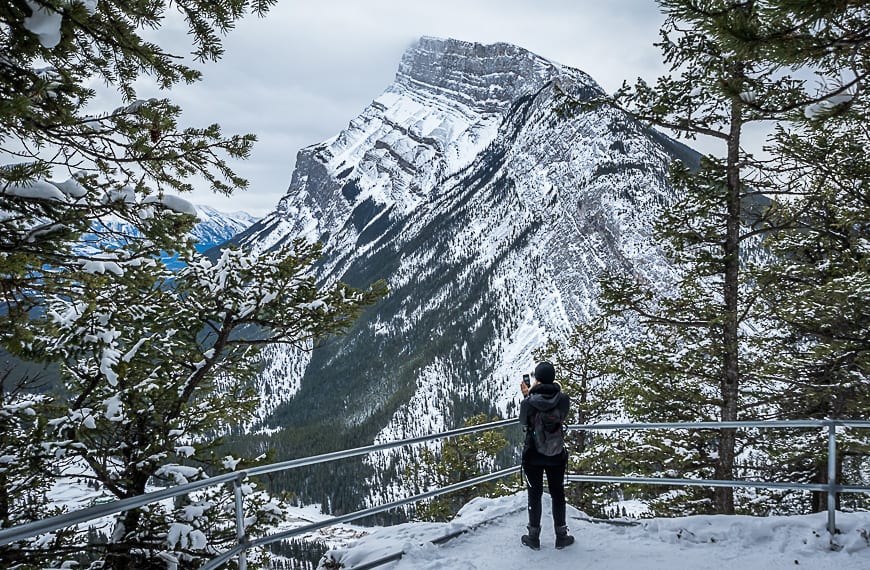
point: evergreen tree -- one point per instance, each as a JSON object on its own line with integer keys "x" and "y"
{"x": 159, "y": 363}
{"x": 815, "y": 288}
{"x": 66, "y": 165}
{"x": 459, "y": 459}
{"x": 695, "y": 352}
{"x": 585, "y": 366}
{"x": 298, "y": 554}
{"x": 24, "y": 459}
{"x": 816, "y": 291}
{"x": 709, "y": 335}
{"x": 156, "y": 364}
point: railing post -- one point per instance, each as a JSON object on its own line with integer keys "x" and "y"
{"x": 240, "y": 521}
{"x": 832, "y": 476}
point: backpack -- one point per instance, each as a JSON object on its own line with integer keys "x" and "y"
{"x": 547, "y": 432}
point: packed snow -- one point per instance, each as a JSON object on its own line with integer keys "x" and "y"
{"x": 698, "y": 542}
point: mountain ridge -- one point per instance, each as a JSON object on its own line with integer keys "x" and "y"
{"x": 214, "y": 229}
{"x": 444, "y": 131}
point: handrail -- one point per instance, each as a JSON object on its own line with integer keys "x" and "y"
{"x": 822, "y": 487}
{"x": 831, "y": 487}
{"x": 272, "y": 538}
{"x": 303, "y": 462}
{"x": 35, "y": 528}
{"x": 771, "y": 424}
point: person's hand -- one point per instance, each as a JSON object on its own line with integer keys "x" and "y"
{"x": 524, "y": 389}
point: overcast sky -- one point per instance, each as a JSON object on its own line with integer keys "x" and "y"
{"x": 298, "y": 76}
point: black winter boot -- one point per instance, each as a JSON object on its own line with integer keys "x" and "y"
{"x": 563, "y": 539}
{"x": 533, "y": 539}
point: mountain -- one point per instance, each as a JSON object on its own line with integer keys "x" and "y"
{"x": 214, "y": 228}
{"x": 490, "y": 215}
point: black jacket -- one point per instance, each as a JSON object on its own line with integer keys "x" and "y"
{"x": 542, "y": 397}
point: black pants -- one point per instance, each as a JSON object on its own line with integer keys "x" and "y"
{"x": 556, "y": 485}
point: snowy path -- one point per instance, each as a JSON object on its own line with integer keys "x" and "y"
{"x": 691, "y": 543}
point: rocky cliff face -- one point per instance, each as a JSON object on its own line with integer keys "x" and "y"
{"x": 445, "y": 106}
{"x": 490, "y": 216}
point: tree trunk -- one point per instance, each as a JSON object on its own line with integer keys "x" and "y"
{"x": 730, "y": 384}
{"x": 819, "y": 499}
{"x": 4, "y": 500}
{"x": 128, "y": 531}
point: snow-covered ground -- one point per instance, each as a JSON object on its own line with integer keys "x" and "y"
{"x": 691, "y": 543}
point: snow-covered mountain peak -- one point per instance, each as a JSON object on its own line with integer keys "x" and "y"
{"x": 486, "y": 78}
{"x": 445, "y": 107}
{"x": 216, "y": 227}
{"x": 209, "y": 214}
{"x": 213, "y": 229}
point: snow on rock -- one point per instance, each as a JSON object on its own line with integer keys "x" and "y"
{"x": 442, "y": 111}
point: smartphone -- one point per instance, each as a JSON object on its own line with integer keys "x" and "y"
{"x": 526, "y": 380}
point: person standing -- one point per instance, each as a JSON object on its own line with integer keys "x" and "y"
{"x": 544, "y": 401}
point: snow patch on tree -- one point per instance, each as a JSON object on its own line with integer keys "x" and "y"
{"x": 36, "y": 190}
{"x": 45, "y": 23}
{"x": 174, "y": 203}
{"x": 824, "y": 107}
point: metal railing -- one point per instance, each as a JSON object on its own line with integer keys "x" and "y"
{"x": 832, "y": 488}
{"x": 29, "y": 530}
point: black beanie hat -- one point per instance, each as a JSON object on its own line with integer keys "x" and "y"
{"x": 545, "y": 373}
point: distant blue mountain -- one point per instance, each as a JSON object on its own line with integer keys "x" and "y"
{"x": 214, "y": 229}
